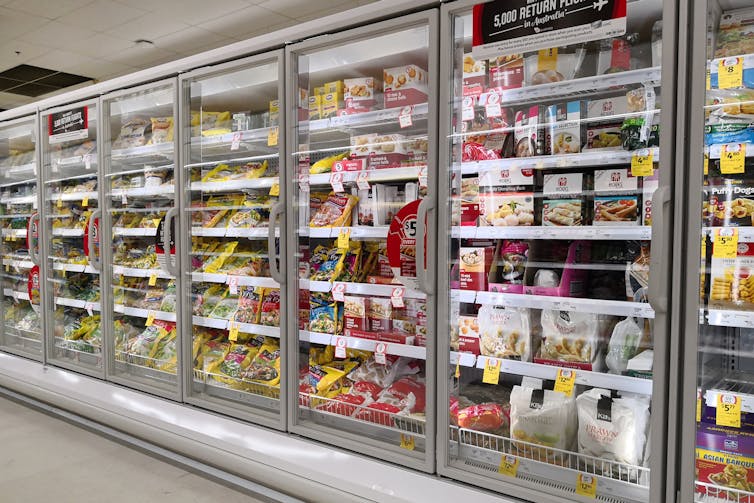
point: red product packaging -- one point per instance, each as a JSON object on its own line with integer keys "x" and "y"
{"x": 406, "y": 393}
{"x": 355, "y": 313}
{"x": 379, "y": 413}
{"x": 405, "y": 85}
{"x": 380, "y": 314}
{"x": 487, "y": 417}
{"x": 366, "y": 388}
{"x": 468, "y": 334}
{"x": 474, "y": 266}
{"x": 345, "y": 404}
{"x": 506, "y": 72}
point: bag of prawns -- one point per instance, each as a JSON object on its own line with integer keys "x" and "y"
{"x": 505, "y": 332}
{"x": 572, "y": 338}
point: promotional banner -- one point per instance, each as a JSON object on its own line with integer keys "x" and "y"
{"x": 504, "y": 27}
{"x": 401, "y": 244}
{"x": 69, "y": 125}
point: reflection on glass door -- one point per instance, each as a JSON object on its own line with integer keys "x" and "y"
{"x": 19, "y": 248}
{"x": 232, "y": 203}
{"x": 363, "y": 124}
{"x": 141, "y": 206}
{"x": 552, "y": 167}
{"x": 71, "y": 226}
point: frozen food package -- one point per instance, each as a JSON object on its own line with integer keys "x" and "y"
{"x": 613, "y": 428}
{"x": 505, "y": 332}
{"x": 562, "y": 212}
{"x": 510, "y": 268}
{"x": 506, "y": 72}
{"x": 133, "y": 133}
{"x": 736, "y": 33}
{"x": 544, "y": 420}
{"x": 269, "y": 313}
{"x": 474, "y": 75}
{"x": 553, "y": 65}
{"x": 335, "y": 211}
{"x": 615, "y": 54}
{"x": 506, "y": 209}
{"x": 265, "y": 367}
{"x": 616, "y": 210}
{"x": 394, "y": 368}
{"x": 162, "y": 130}
{"x": 564, "y": 130}
{"x": 570, "y": 337}
{"x": 405, "y": 85}
{"x": 248, "y": 304}
{"x": 529, "y": 132}
{"x": 623, "y": 345}
{"x": 487, "y": 417}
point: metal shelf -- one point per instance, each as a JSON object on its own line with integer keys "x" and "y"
{"x": 467, "y": 359}
{"x": 143, "y": 153}
{"x": 260, "y": 281}
{"x": 74, "y": 196}
{"x": 247, "y": 328}
{"x": 375, "y": 175}
{"x": 159, "y": 190}
{"x": 360, "y": 289}
{"x": 9, "y": 292}
{"x": 233, "y": 232}
{"x": 228, "y": 138}
{"x": 745, "y": 234}
{"x": 14, "y": 233}
{"x": 365, "y": 119}
{"x": 143, "y": 313}
{"x": 235, "y": 185}
{"x": 356, "y": 232}
{"x": 20, "y": 264}
{"x": 81, "y": 304}
{"x": 140, "y": 273}
{"x": 633, "y": 232}
{"x": 730, "y": 318}
{"x": 418, "y": 352}
{"x": 62, "y": 266}
{"x": 138, "y": 231}
{"x": 67, "y": 232}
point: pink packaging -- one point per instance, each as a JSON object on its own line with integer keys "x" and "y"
{"x": 405, "y": 85}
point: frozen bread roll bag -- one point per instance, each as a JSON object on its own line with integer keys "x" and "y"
{"x": 613, "y": 428}
{"x": 543, "y": 418}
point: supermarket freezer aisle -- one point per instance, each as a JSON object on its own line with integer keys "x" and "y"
{"x": 43, "y": 458}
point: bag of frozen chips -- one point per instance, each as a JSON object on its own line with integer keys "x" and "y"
{"x": 542, "y": 420}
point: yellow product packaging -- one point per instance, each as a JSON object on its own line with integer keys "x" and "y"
{"x": 274, "y": 111}
{"x": 162, "y": 130}
{"x": 213, "y": 352}
{"x": 225, "y": 252}
{"x": 200, "y": 339}
{"x": 213, "y": 123}
{"x": 265, "y": 368}
{"x": 319, "y": 91}
{"x": 255, "y": 169}
{"x": 333, "y": 87}
{"x": 335, "y": 212}
{"x": 322, "y": 377}
{"x": 359, "y": 355}
{"x": 230, "y": 369}
{"x": 351, "y": 264}
{"x": 320, "y": 356}
{"x": 330, "y": 104}
{"x": 220, "y": 173}
{"x": 315, "y": 107}
{"x": 325, "y": 165}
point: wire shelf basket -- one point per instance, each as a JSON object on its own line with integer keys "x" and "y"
{"x": 237, "y": 384}
{"x": 711, "y": 493}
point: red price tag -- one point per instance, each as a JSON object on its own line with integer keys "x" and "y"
{"x": 380, "y": 350}
{"x": 338, "y": 292}
{"x": 396, "y": 297}
{"x": 89, "y": 309}
{"x": 423, "y": 177}
{"x": 362, "y": 180}
{"x": 340, "y": 347}
{"x": 236, "y": 142}
{"x": 303, "y": 182}
{"x": 336, "y": 180}
{"x": 88, "y": 161}
{"x": 404, "y": 119}
{"x": 233, "y": 285}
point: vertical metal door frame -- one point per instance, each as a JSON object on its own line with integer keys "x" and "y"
{"x": 48, "y": 299}
{"x": 344, "y": 439}
{"x": 184, "y": 132}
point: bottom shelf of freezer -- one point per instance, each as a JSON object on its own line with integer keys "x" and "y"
{"x": 710, "y": 492}
{"x": 246, "y": 391}
{"x": 27, "y": 340}
{"x": 82, "y": 351}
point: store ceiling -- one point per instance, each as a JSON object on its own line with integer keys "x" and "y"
{"x": 97, "y": 38}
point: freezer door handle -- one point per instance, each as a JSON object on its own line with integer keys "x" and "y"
{"x": 424, "y": 275}
{"x": 657, "y": 294}
{"x": 94, "y": 260}
{"x": 34, "y": 246}
{"x": 167, "y": 238}
{"x": 275, "y": 211}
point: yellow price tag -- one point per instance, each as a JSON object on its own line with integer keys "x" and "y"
{"x": 63, "y": 272}
{"x": 547, "y": 59}
{"x": 60, "y": 202}
{"x": 565, "y": 381}
{"x": 732, "y": 158}
{"x": 491, "y": 371}
{"x": 232, "y": 332}
{"x": 458, "y": 368}
{"x": 275, "y": 190}
{"x": 728, "y": 411}
{"x": 156, "y": 222}
{"x": 730, "y": 73}
{"x": 150, "y": 319}
{"x": 508, "y": 466}
{"x": 642, "y": 163}
{"x": 709, "y": 84}
{"x": 698, "y": 410}
{"x": 725, "y": 244}
{"x": 586, "y": 485}
{"x": 272, "y": 136}
{"x": 152, "y": 280}
{"x": 85, "y": 202}
{"x": 706, "y": 164}
{"x": 343, "y": 237}
{"x": 7, "y": 267}
{"x": 408, "y": 442}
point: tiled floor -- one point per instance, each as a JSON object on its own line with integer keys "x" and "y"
{"x": 45, "y": 459}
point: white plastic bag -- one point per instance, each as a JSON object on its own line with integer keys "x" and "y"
{"x": 623, "y": 345}
{"x": 544, "y": 418}
{"x": 505, "y": 333}
{"x": 570, "y": 336}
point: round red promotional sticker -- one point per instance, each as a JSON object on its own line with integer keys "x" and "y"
{"x": 401, "y": 244}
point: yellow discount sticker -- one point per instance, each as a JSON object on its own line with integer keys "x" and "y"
{"x": 642, "y": 163}
{"x": 408, "y": 442}
{"x": 85, "y": 202}
{"x": 152, "y": 279}
{"x": 732, "y": 158}
{"x": 730, "y": 73}
{"x": 343, "y": 237}
{"x": 491, "y": 371}
{"x": 728, "y": 411}
{"x": 709, "y": 81}
{"x": 275, "y": 190}
{"x": 547, "y": 59}
{"x": 586, "y": 485}
{"x": 508, "y": 466}
{"x": 725, "y": 244}
{"x": 565, "y": 381}
{"x": 233, "y": 332}
{"x": 706, "y": 164}
{"x": 458, "y": 368}
{"x": 150, "y": 319}
{"x": 272, "y": 136}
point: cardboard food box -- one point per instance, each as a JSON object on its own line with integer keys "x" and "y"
{"x": 529, "y": 132}
{"x": 506, "y": 209}
{"x": 380, "y": 314}
{"x": 416, "y": 310}
{"x": 397, "y": 337}
{"x": 725, "y": 459}
{"x": 274, "y": 112}
{"x": 380, "y": 151}
{"x": 359, "y": 94}
{"x": 474, "y": 265}
{"x": 649, "y": 185}
{"x": 730, "y": 203}
{"x": 469, "y": 201}
{"x": 468, "y": 334}
{"x": 330, "y": 103}
{"x": 405, "y": 85}
{"x": 564, "y": 130}
{"x": 562, "y": 184}
{"x": 615, "y": 180}
{"x": 604, "y": 136}
{"x": 315, "y": 107}
{"x": 733, "y": 279}
{"x": 607, "y": 107}
{"x": 562, "y": 212}
{"x": 506, "y": 72}
{"x": 474, "y": 76}
{"x": 616, "y": 210}
{"x": 614, "y": 56}
{"x": 355, "y": 313}
{"x": 333, "y": 87}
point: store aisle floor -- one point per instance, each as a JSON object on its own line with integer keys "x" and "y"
{"x": 45, "y": 459}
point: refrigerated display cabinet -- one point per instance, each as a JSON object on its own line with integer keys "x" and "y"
{"x": 362, "y": 120}
{"x": 233, "y": 207}
{"x": 553, "y": 189}
{"x": 140, "y": 263}
{"x": 70, "y": 221}
{"x": 21, "y": 331}
{"x": 717, "y": 452}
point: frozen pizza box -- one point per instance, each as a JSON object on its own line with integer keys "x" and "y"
{"x": 405, "y": 85}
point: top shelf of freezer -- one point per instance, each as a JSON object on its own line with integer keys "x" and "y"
{"x": 17, "y": 154}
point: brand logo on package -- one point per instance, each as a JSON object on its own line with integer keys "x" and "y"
{"x": 731, "y": 445}
{"x": 69, "y": 125}
{"x": 504, "y": 27}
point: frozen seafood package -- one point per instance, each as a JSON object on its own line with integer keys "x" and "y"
{"x": 505, "y": 332}
{"x": 613, "y": 428}
{"x": 571, "y": 338}
{"x": 553, "y": 65}
{"x": 542, "y": 420}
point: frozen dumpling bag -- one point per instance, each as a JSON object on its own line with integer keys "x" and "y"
{"x": 505, "y": 332}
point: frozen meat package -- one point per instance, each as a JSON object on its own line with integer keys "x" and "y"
{"x": 613, "y": 428}
{"x": 543, "y": 418}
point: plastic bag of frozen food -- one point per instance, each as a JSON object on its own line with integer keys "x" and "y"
{"x": 162, "y": 130}
{"x": 623, "y": 345}
{"x": 545, "y": 420}
{"x": 612, "y": 428}
{"x": 230, "y": 369}
{"x": 133, "y": 133}
{"x": 269, "y": 314}
{"x": 249, "y": 304}
{"x": 407, "y": 393}
{"x": 487, "y": 417}
{"x": 335, "y": 212}
{"x": 265, "y": 367}
{"x": 394, "y": 368}
{"x": 570, "y": 336}
{"x": 505, "y": 332}
{"x": 213, "y": 352}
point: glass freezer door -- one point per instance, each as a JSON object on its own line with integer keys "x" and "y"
{"x": 71, "y": 226}
{"x": 233, "y": 202}
{"x": 19, "y": 213}
{"x": 548, "y": 338}
{"x": 139, "y": 220}
{"x": 363, "y": 120}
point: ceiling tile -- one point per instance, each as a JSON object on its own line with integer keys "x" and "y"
{"x": 101, "y": 15}
{"x": 99, "y": 46}
{"x": 300, "y": 8}
{"x": 101, "y": 69}
{"x": 191, "y": 41}
{"x": 63, "y": 61}
{"x": 49, "y": 9}
{"x": 142, "y": 57}
{"x": 148, "y": 26}
{"x": 269, "y": 29}
{"x": 243, "y": 22}
{"x": 14, "y": 23}
{"x": 56, "y": 35}
{"x": 27, "y": 51}
{"x": 195, "y": 12}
